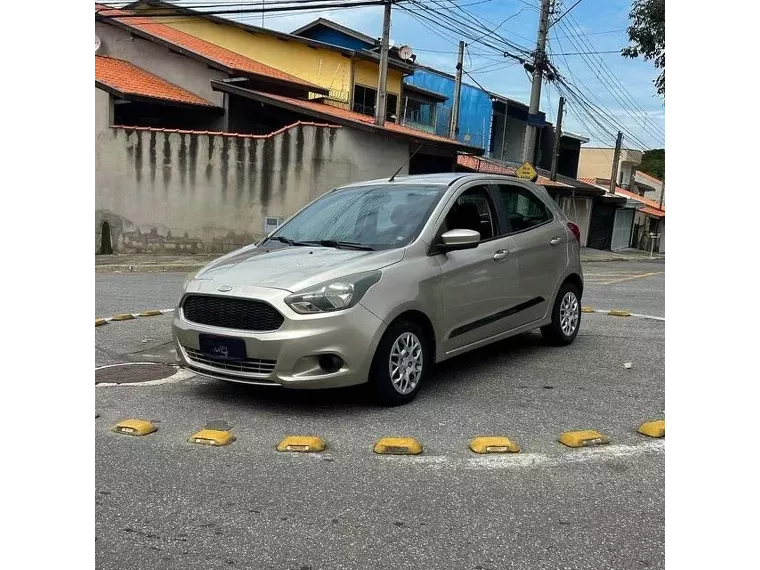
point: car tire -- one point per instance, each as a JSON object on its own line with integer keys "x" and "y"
{"x": 566, "y": 317}
{"x": 406, "y": 349}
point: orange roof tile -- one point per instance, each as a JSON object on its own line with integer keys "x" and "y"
{"x": 652, "y": 204}
{"x": 482, "y": 165}
{"x": 207, "y": 50}
{"x": 353, "y": 117}
{"x": 129, "y": 79}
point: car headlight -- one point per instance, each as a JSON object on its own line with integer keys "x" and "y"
{"x": 334, "y": 295}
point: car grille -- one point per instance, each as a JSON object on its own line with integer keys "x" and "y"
{"x": 232, "y": 313}
{"x": 250, "y": 365}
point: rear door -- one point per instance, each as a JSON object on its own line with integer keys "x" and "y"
{"x": 540, "y": 248}
{"x": 478, "y": 285}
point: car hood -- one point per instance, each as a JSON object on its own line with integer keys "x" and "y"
{"x": 293, "y": 268}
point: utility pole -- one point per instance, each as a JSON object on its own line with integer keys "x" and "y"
{"x": 539, "y": 61}
{"x": 454, "y": 125}
{"x": 615, "y": 160}
{"x": 557, "y": 137}
{"x": 383, "y": 81}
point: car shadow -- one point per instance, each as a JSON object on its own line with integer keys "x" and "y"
{"x": 448, "y": 375}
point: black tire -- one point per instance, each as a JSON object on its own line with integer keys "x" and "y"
{"x": 380, "y": 382}
{"x": 553, "y": 332}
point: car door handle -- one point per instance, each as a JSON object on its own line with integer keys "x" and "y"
{"x": 555, "y": 241}
{"x": 500, "y": 254}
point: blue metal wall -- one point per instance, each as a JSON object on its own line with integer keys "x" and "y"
{"x": 333, "y": 37}
{"x": 475, "y": 107}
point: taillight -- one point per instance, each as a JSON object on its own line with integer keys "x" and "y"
{"x": 575, "y": 229}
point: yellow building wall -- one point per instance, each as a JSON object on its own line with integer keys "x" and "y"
{"x": 366, "y": 73}
{"x": 323, "y": 67}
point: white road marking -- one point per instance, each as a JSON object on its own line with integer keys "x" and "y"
{"x": 522, "y": 460}
{"x": 637, "y": 315}
{"x": 180, "y": 375}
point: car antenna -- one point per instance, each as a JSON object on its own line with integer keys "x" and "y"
{"x": 404, "y": 164}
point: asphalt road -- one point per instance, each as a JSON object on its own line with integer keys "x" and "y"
{"x": 164, "y": 503}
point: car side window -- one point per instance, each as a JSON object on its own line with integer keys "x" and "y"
{"x": 523, "y": 208}
{"x": 473, "y": 210}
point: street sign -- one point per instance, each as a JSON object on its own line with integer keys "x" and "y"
{"x": 527, "y": 172}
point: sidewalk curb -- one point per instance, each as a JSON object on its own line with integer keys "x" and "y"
{"x": 611, "y": 259}
{"x": 150, "y": 268}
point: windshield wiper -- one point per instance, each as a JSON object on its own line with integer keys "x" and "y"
{"x": 284, "y": 239}
{"x": 341, "y": 244}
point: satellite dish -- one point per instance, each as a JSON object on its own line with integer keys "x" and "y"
{"x": 97, "y": 43}
{"x": 405, "y": 52}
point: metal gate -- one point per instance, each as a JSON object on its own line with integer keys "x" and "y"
{"x": 621, "y": 231}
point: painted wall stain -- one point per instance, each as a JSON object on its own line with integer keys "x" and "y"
{"x": 138, "y": 158}
{"x": 225, "y": 167}
{"x": 209, "y": 167}
{"x": 193, "y": 159}
{"x": 252, "y": 171}
{"x": 239, "y": 167}
{"x": 299, "y": 152}
{"x": 267, "y": 174}
{"x": 167, "y": 162}
{"x": 284, "y": 159}
{"x": 152, "y": 156}
{"x": 182, "y": 160}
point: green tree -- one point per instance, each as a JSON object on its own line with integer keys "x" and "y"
{"x": 653, "y": 162}
{"x": 647, "y": 36}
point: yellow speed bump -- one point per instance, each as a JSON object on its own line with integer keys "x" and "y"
{"x": 151, "y": 313}
{"x": 655, "y": 428}
{"x": 123, "y": 317}
{"x": 307, "y": 443}
{"x": 619, "y": 313}
{"x": 583, "y": 438}
{"x": 398, "y": 446}
{"x": 100, "y": 322}
{"x": 493, "y": 444}
{"x": 587, "y": 309}
{"x": 134, "y": 427}
{"x": 212, "y": 437}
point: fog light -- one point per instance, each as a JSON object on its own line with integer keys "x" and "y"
{"x": 330, "y": 363}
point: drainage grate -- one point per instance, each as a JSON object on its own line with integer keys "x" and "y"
{"x": 133, "y": 372}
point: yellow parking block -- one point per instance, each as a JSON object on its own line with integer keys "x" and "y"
{"x": 151, "y": 313}
{"x": 619, "y": 313}
{"x": 100, "y": 322}
{"x": 306, "y": 443}
{"x": 123, "y": 317}
{"x": 134, "y": 427}
{"x": 493, "y": 444}
{"x": 583, "y": 438}
{"x": 654, "y": 428}
{"x": 398, "y": 446}
{"x": 212, "y": 437}
{"x": 587, "y": 309}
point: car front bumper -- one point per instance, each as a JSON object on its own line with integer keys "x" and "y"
{"x": 289, "y": 356}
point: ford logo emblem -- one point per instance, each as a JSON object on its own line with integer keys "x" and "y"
{"x": 224, "y": 288}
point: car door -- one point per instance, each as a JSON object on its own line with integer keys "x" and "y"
{"x": 477, "y": 285}
{"x": 539, "y": 251}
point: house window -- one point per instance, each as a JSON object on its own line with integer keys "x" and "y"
{"x": 364, "y": 102}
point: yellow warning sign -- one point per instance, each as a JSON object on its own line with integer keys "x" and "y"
{"x": 527, "y": 172}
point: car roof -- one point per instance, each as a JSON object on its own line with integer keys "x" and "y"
{"x": 441, "y": 178}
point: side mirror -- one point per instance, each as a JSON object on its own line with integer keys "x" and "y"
{"x": 453, "y": 240}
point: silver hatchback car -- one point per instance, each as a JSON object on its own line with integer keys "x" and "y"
{"x": 378, "y": 281}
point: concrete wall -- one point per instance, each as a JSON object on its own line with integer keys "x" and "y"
{"x": 178, "y": 69}
{"x": 184, "y": 191}
{"x": 597, "y": 162}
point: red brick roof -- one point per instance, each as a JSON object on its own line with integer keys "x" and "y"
{"x": 482, "y": 165}
{"x": 320, "y": 108}
{"x": 129, "y": 79}
{"x": 652, "y": 205}
{"x": 207, "y": 50}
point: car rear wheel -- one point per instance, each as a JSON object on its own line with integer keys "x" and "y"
{"x": 566, "y": 317}
{"x": 401, "y": 363}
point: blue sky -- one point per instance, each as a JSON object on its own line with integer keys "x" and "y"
{"x": 622, "y": 87}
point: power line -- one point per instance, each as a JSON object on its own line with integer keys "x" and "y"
{"x": 565, "y": 13}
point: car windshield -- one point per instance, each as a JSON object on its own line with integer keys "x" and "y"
{"x": 366, "y": 217}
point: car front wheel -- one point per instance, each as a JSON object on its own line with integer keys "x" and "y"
{"x": 566, "y": 317}
{"x": 401, "y": 362}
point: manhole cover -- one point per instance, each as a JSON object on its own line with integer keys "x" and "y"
{"x": 131, "y": 372}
